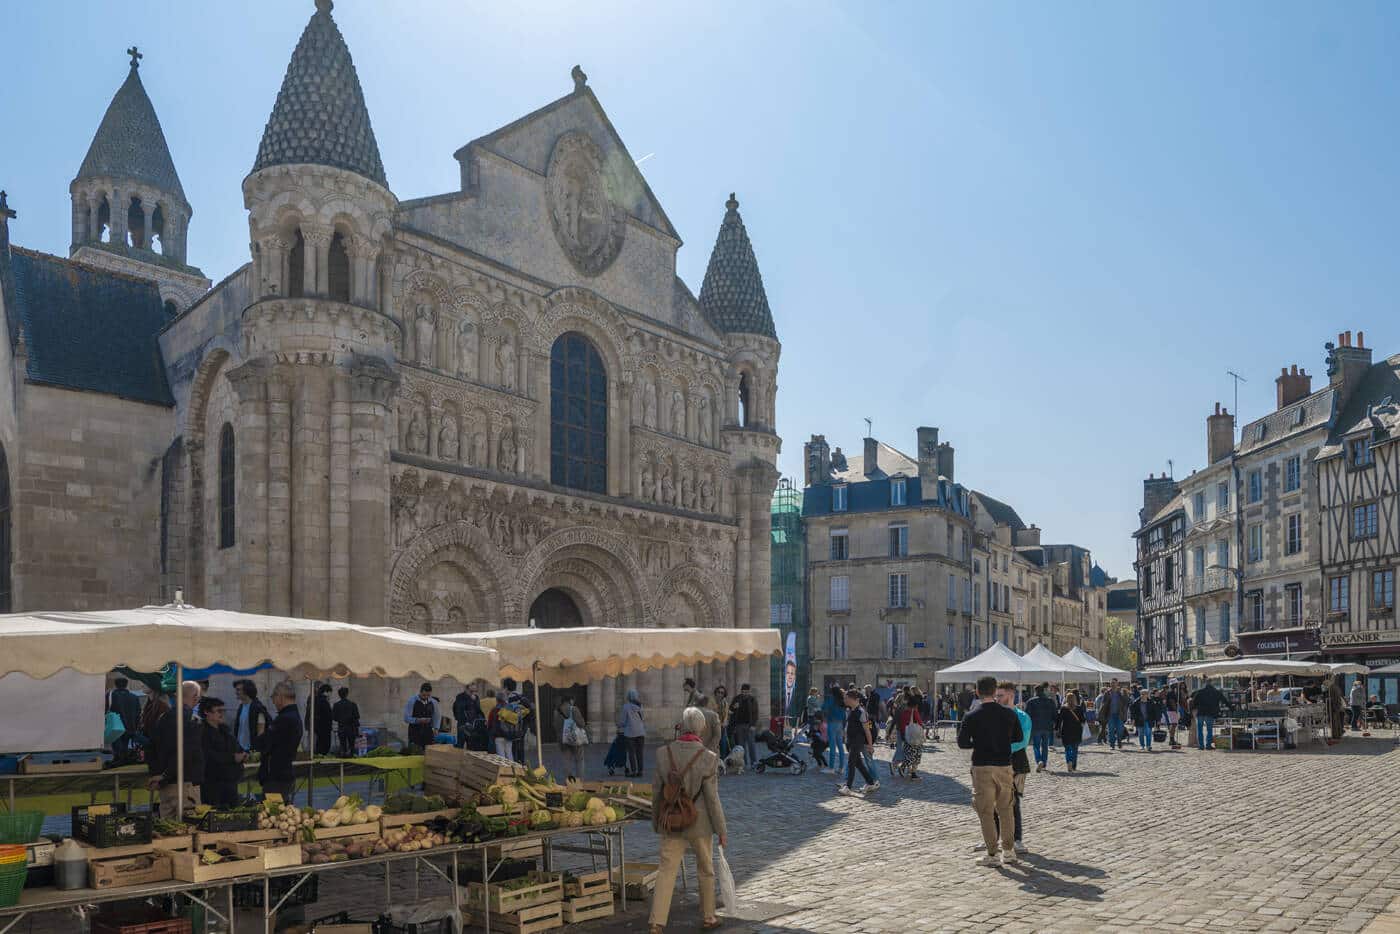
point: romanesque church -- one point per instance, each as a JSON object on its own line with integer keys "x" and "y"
{"x": 493, "y": 407}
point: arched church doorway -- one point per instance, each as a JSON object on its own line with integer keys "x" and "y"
{"x": 556, "y": 609}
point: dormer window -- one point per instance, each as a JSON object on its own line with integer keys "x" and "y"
{"x": 1301, "y": 415}
{"x": 1259, "y": 431}
{"x": 1359, "y": 452}
{"x": 838, "y": 498}
{"x": 897, "y": 495}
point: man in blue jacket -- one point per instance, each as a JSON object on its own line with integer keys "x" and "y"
{"x": 1042, "y": 710}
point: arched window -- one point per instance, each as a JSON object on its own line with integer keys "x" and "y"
{"x": 578, "y": 415}
{"x": 743, "y": 400}
{"x": 296, "y": 267}
{"x": 104, "y": 221}
{"x": 170, "y": 309}
{"x": 338, "y": 270}
{"x": 227, "y": 486}
{"x": 6, "y": 550}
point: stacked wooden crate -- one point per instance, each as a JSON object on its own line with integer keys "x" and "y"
{"x": 587, "y": 896}
{"x": 453, "y": 772}
{"x": 535, "y": 903}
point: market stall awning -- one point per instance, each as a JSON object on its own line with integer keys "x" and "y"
{"x": 146, "y": 639}
{"x": 561, "y": 657}
{"x": 1248, "y": 667}
{"x": 1042, "y": 657}
{"x": 1387, "y": 670}
{"x": 998, "y": 662}
{"x": 1078, "y": 656}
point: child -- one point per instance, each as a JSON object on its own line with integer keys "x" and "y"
{"x": 816, "y": 733}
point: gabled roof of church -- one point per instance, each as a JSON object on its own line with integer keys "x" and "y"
{"x": 86, "y": 328}
{"x": 129, "y": 142}
{"x": 732, "y": 294}
{"x": 320, "y": 116}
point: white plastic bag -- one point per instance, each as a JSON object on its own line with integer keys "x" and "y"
{"x": 728, "y": 894}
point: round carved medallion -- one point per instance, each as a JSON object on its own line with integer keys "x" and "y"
{"x": 588, "y": 226}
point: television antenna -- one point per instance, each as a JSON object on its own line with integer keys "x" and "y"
{"x": 869, "y": 428}
{"x": 1235, "y": 415}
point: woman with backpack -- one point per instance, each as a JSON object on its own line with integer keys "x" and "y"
{"x": 633, "y": 727}
{"x": 686, "y": 814}
{"x": 571, "y": 729}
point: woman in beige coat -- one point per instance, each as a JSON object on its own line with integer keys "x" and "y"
{"x": 697, "y": 767}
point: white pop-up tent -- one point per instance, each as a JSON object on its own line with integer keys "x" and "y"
{"x": 999, "y": 662}
{"x": 1078, "y": 656}
{"x": 561, "y": 657}
{"x": 1249, "y": 666}
{"x": 149, "y": 638}
{"x": 1042, "y": 657}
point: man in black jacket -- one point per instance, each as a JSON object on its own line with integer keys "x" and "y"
{"x": 251, "y": 717}
{"x": 989, "y": 732}
{"x": 163, "y": 760}
{"x": 223, "y": 760}
{"x": 279, "y": 743}
{"x": 743, "y": 720}
{"x": 126, "y": 705}
{"x": 1206, "y": 705}
{"x": 1042, "y": 710}
{"x": 346, "y": 714}
{"x": 466, "y": 712}
{"x": 321, "y": 723}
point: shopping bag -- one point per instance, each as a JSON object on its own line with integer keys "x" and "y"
{"x": 728, "y": 894}
{"x": 113, "y": 728}
{"x": 1088, "y": 733}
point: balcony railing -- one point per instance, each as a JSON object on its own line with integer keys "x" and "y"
{"x": 1214, "y": 579}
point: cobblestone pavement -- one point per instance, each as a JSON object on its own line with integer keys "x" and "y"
{"x": 1168, "y": 841}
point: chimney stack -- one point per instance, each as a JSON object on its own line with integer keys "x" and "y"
{"x": 1028, "y": 536}
{"x": 1293, "y": 385}
{"x": 1156, "y": 493}
{"x": 817, "y": 456}
{"x": 945, "y": 461}
{"x": 928, "y": 463}
{"x": 1220, "y": 434}
{"x": 872, "y": 457}
{"x": 1347, "y": 365}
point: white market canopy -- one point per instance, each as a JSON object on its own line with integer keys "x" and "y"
{"x": 1249, "y": 667}
{"x": 561, "y": 657}
{"x": 999, "y": 662}
{"x": 147, "y": 639}
{"x": 1078, "y": 656}
{"x": 1387, "y": 670}
{"x": 1042, "y": 657}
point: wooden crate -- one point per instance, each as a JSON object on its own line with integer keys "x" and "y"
{"x": 54, "y": 765}
{"x": 158, "y": 845}
{"x": 544, "y": 917}
{"x": 587, "y": 884}
{"x": 400, "y": 820}
{"x": 545, "y": 888}
{"x": 500, "y": 810}
{"x": 523, "y": 848}
{"x": 640, "y": 879}
{"x": 188, "y": 867}
{"x": 138, "y": 869}
{"x": 278, "y": 853}
{"x": 588, "y": 907}
{"x": 348, "y": 830}
{"x": 448, "y": 771}
{"x": 218, "y": 838}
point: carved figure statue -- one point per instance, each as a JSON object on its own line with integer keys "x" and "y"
{"x": 646, "y": 484}
{"x": 466, "y": 349}
{"x": 505, "y": 364}
{"x": 425, "y": 332}
{"x": 707, "y": 493}
{"x": 417, "y": 440}
{"x": 478, "y": 450}
{"x": 505, "y": 456}
{"x": 403, "y": 522}
{"x": 668, "y": 488}
{"x": 648, "y": 403}
{"x": 702, "y": 417}
{"x": 678, "y": 413}
{"x": 448, "y": 446}
{"x": 687, "y": 490}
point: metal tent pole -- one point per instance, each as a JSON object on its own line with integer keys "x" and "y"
{"x": 539, "y": 729}
{"x": 179, "y": 741}
{"x": 311, "y": 745}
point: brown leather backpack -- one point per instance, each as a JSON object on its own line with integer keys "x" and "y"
{"x": 676, "y": 810}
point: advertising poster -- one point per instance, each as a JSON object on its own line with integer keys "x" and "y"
{"x": 789, "y": 670}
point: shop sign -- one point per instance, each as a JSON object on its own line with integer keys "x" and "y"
{"x": 1279, "y": 642}
{"x": 1365, "y": 637}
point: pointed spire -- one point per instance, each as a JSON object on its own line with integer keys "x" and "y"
{"x": 320, "y": 116}
{"x": 129, "y": 143}
{"x": 732, "y": 294}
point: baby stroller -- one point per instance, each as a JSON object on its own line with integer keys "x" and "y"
{"x": 781, "y": 754}
{"x": 617, "y": 755}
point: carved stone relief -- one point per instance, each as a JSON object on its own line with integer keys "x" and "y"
{"x": 466, "y": 349}
{"x": 505, "y": 364}
{"x": 449, "y": 448}
{"x": 424, "y": 331}
{"x": 588, "y": 226}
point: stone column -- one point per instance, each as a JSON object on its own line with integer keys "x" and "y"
{"x": 593, "y": 709}
{"x": 338, "y": 607}
{"x": 279, "y": 492}
{"x": 250, "y": 385}
{"x": 148, "y": 212}
{"x": 117, "y": 220}
{"x": 649, "y": 684}
{"x": 372, "y": 386}
{"x": 315, "y": 250}
{"x": 606, "y": 717}
{"x": 310, "y": 472}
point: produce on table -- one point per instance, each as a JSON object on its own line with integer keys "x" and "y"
{"x": 379, "y": 752}
{"x": 415, "y": 837}
{"x": 347, "y": 810}
{"x": 169, "y": 828}
{"x": 285, "y": 818}
{"x": 407, "y": 803}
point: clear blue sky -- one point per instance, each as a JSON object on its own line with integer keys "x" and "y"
{"x": 1047, "y": 229}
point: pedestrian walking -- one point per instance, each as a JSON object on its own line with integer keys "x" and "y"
{"x": 834, "y": 713}
{"x": 572, "y": 731}
{"x": 713, "y": 729}
{"x": 1147, "y": 710}
{"x": 346, "y": 714}
{"x": 989, "y": 732}
{"x": 1042, "y": 709}
{"x": 466, "y": 713}
{"x": 1207, "y": 704}
{"x": 816, "y": 737}
{"x": 223, "y": 760}
{"x": 1069, "y": 723}
{"x": 1113, "y": 712}
{"x": 858, "y": 738}
{"x": 1020, "y": 763}
{"x": 720, "y": 699}
{"x": 163, "y": 758}
{"x": 686, "y": 815}
{"x": 1357, "y": 701}
{"x": 632, "y": 725}
{"x": 743, "y": 720}
{"x": 321, "y": 724}
{"x": 909, "y": 736}
{"x": 812, "y": 707}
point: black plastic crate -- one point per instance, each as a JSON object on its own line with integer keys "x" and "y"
{"x": 118, "y": 828}
{"x": 225, "y": 821}
{"x": 469, "y": 869}
{"x": 440, "y": 926}
{"x": 250, "y": 894}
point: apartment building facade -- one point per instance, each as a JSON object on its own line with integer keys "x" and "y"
{"x": 1161, "y": 607}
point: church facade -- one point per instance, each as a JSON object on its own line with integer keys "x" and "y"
{"x": 490, "y": 408}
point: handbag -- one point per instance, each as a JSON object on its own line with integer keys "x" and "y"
{"x": 728, "y": 891}
{"x": 913, "y": 734}
{"x": 113, "y": 728}
{"x": 568, "y": 736}
{"x": 1087, "y": 734}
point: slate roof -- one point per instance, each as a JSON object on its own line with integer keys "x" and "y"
{"x": 1123, "y": 596}
{"x": 1375, "y": 404}
{"x": 889, "y": 462}
{"x": 320, "y": 117}
{"x": 1001, "y": 513}
{"x": 732, "y": 295}
{"x": 87, "y": 328}
{"x": 130, "y": 143}
{"x": 1312, "y": 411}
